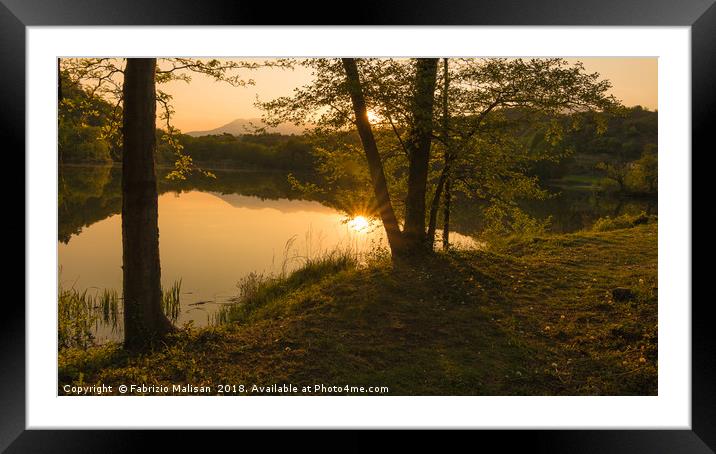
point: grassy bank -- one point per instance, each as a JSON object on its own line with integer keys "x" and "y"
{"x": 536, "y": 317}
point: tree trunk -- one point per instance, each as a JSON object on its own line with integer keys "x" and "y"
{"x": 419, "y": 153}
{"x": 446, "y": 215}
{"x": 375, "y": 165}
{"x": 435, "y": 205}
{"x": 59, "y": 101}
{"x": 144, "y": 320}
{"x": 59, "y": 82}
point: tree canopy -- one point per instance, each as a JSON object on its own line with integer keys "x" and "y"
{"x": 488, "y": 103}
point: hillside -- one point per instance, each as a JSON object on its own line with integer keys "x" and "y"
{"x": 248, "y": 126}
{"x": 538, "y": 317}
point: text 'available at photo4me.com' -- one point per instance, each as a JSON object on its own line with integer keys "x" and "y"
{"x": 141, "y": 389}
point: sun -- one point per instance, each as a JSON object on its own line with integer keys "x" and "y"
{"x": 373, "y": 118}
{"x": 359, "y": 224}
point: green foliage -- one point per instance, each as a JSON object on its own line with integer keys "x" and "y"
{"x": 97, "y": 82}
{"x": 644, "y": 174}
{"x": 505, "y": 118}
{"x": 624, "y": 221}
{"x": 83, "y": 117}
{"x": 506, "y": 222}
{"x": 627, "y": 136}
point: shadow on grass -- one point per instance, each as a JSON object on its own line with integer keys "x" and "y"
{"x": 536, "y": 319}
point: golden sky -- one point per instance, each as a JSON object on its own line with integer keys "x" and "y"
{"x": 205, "y": 104}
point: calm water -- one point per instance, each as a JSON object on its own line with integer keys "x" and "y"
{"x": 213, "y": 232}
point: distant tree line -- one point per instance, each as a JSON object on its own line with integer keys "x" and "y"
{"x": 624, "y": 153}
{"x": 621, "y": 152}
{"x": 260, "y": 151}
{"x": 86, "y": 135}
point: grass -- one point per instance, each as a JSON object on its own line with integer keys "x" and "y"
{"x": 109, "y": 305}
{"x": 81, "y": 313}
{"x": 76, "y": 318}
{"x": 262, "y": 295}
{"x": 171, "y": 302}
{"x": 533, "y": 318}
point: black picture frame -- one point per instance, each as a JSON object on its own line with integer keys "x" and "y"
{"x": 700, "y": 15}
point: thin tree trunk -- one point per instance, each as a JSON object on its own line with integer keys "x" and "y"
{"x": 59, "y": 101}
{"x": 435, "y": 205}
{"x": 59, "y": 82}
{"x": 375, "y": 165}
{"x": 446, "y": 215}
{"x": 419, "y": 153}
{"x": 144, "y": 320}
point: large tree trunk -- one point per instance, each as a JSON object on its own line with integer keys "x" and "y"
{"x": 419, "y": 153}
{"x": 144, "y": 320}
{"x": 375, "y": 165}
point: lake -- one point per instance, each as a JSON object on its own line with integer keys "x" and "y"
{"x": 212, "y": 232}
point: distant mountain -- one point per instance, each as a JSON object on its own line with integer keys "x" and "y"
{"x": 242, "y": 126}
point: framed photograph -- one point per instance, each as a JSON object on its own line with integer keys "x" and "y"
{"x": 406, "y": 217}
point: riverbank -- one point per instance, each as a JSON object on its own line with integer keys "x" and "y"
{"x": 538, "y": 317}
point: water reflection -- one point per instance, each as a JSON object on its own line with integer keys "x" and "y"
{"x": 210, "y": 243}
{"x": 213, "y": 232}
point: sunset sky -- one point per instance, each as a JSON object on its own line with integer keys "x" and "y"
{"x": 205, "y": 104}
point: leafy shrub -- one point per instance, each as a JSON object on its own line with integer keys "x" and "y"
{"x": 624, "y": 221}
